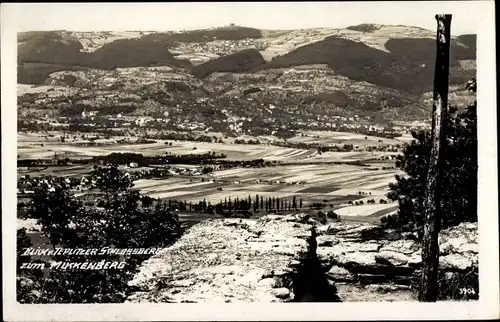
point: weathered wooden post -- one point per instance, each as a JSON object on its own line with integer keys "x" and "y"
{"x": 432, "y": 204}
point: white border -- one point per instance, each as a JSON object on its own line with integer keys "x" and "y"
{"x": 486, "y": 307}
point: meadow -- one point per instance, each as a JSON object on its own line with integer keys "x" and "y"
{"x": 45, "y": 146}
{"x": 305, "y": 176}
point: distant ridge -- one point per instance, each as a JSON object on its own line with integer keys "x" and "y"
{"x": 408, "y": 65}
{"x": 242, "y": 61}
{"x": 64, "y": 52}
{"x": 398, "y": 57}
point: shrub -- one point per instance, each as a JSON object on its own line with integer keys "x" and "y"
{"x": 243, "y": 214}
{"x": 332, "y": 215}
{"x": 390, "y": 221}
{"x": 207, "y": 170}
{"x": 321, "y": 217}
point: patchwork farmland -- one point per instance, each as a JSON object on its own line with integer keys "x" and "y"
{"x": 328, "y": 177}
{"x": 45, "y": 146}
{"x": 334, "y": 185}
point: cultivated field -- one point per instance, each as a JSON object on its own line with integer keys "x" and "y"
{"x": 306, "y": 175}
{"x": 233, "y": 151}
{"x": 329, "y": 137}
{"x": 337, "y": 184}
{"x": 44, "y": 146}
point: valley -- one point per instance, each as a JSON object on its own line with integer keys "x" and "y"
{"x": 292, "y": 114}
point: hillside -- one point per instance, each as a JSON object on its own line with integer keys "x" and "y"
{"x": 49, "y": 47}
{"x": 408, "y": 65}
{"x": 41, "y": 53}
{"x": 140, "y": 52}
{"x": 377, "y": 71}
{"x": 243, "y": 61}
{"x": 222, "y": 33}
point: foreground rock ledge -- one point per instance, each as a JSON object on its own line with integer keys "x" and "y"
{"x": 356, "y": 254}
{"x": 272, "y": 259}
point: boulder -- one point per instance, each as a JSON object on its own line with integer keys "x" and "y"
{"x": 364, "y": 255}
{"x": 464, "y": 232}
{"x": 415, "y": 259}
{"x": 455, "y": 262}
{"x": 392, "y": 258}
{"x": 339, "y": 274}
{"x": 338, "y": 227}
{"x": 327, "y": 240}
{"x": 388, "y": 270}
{"x": 281, "y": 293}
{"x": 267, "y": 260}
{"x": 458, "y": 244}
{"x": 362, "y": 233}
{"x": 259, "y": 269}
{"x": 356, "y": 258}
{"x": 404, "y": 246}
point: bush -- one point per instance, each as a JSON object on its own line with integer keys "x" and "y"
{"x": 390, "y": 221}
{"x": 332, "y": 215}
{"x": 207, "y": 170}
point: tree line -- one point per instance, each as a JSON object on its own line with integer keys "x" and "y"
{"x": 127, "y": 158}
{"x": 231, "y": 206}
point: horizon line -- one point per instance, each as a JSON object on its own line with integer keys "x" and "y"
{"x": 234, "y": 26}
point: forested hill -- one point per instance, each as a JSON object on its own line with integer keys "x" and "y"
{"x": 365, "y": 67}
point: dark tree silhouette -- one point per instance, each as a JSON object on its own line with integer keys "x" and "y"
{"x": 459, "y": 184}
{"x": 120, "y": 223}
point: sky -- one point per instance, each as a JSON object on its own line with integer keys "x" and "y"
{"x": 269, "y": 15}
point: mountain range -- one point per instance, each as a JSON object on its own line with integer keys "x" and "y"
{"x": 391, "y": 64}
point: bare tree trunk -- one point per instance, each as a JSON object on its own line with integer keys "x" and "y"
{"x": 432, "y": 203}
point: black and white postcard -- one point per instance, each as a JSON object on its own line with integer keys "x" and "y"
{"x": 256, "y": 161}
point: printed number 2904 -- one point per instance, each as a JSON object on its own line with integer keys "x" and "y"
{"x": 467, "y": 291}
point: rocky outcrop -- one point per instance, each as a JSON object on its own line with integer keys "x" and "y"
{"x": 272, "y": 259}
{"x": 294, "y": 258}
{"x": 367, "y": 255}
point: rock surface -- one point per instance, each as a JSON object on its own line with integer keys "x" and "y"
{"x": 363, "y": 255}
{"x": 230, "y": 260}
{"x": 294, "y": 258}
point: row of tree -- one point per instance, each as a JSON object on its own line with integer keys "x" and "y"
{"x": 232, "y": 205}
{"x": 127, "y": 158}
